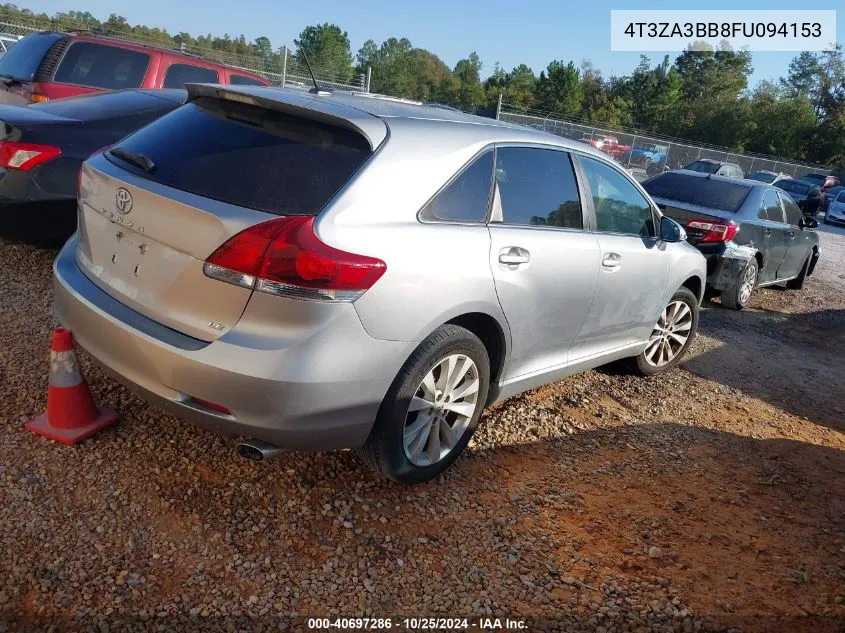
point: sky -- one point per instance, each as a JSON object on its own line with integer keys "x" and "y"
{"x": 505, "y": 31}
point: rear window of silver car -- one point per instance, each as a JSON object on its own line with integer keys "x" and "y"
{"x": 704, "y": 192}
{"x": 248, "y": 156}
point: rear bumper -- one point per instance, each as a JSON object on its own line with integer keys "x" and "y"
{"x": 725, "y": 263}
{"x": 318, "y": 391}
{"x": 30, "y": 213}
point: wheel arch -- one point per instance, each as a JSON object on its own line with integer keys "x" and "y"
{"x": 493, "y": 336}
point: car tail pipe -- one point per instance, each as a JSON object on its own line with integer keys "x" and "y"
{"x": 258, "y": 450}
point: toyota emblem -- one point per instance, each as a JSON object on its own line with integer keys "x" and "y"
{"x": 123, "y": 201}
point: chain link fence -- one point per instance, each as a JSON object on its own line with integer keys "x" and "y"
{"x": 288, "y": 73}
{"x": 645, "y": 155}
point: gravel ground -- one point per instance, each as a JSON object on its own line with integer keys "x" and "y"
{"x": 707, "y": 499}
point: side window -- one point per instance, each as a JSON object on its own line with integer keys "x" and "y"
{"x": 771, "y": 209}
{"x": 241, "y": 80}
{"x": 178, "y": 75}
{"x": 618, "y": 204}
{"x": 467, "y": 197}
{"x": 793, "y": 213}
{"x": 100, "y": 66}
{"x": 537, "y": 188}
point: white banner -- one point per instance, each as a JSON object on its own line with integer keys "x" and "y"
{"x": 759, "y": 30}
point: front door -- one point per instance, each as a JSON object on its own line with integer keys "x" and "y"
{"x": 799, "y": 242}
{"x": 543, "y": 262}
{"x": 633, "y": 269}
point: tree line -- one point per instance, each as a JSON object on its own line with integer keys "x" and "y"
{"x": 702, "y": 95}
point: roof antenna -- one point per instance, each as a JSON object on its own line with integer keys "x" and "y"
{"x": 316, "y": 90}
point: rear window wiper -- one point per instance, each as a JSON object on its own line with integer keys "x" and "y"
{"x": 136, "y": 158}
{"x": 9, "y": 80}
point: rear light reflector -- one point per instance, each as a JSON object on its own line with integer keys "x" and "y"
{"x": 208, "y": 404}
{"x": 714, "y": 231}
{"x": 23, "y": 156}
{"x": 285, "y": 257}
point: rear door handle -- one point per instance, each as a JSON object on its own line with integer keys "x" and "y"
{"x": 611, "y": 260}
{"x": 514, "y": 255}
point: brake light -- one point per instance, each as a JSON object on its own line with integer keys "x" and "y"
{"x": 23, "y": 156}
{"x": 285, "y": 257}
{"x": 714, "y": 231}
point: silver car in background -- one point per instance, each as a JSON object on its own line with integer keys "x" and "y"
{"x": 322, "y": 272}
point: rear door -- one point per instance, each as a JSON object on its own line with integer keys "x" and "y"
{"x": 775, "y": 235}
{"x": 544, "y": 263}
{"x": 211, "y": 169}
{"x": 800, "y": 242}
{"x": 633, "y": 265}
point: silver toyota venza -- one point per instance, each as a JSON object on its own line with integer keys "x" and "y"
{"x": 319, "y": 272}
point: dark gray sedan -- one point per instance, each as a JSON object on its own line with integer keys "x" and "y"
{"x": 751, "y": 233}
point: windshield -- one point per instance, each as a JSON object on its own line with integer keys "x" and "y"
{"x": 703, "y": 167}
{"x": 23, "y": 59}
{"x": 703, "y": 192}
{"x": 793, "y": 186}
{"x": 762, "y": 176}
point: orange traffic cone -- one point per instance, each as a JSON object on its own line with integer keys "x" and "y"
{"x": 71, "y": 413}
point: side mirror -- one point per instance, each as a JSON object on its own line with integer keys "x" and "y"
{"x": 809, "y": 222}
{"x": 671, "y": 231}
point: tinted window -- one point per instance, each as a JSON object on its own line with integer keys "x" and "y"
{"x": 817, "y": 179}
{"x": 22, "y": 60}
{"x": 537, "y": 188}
{"x": 703, "y": 166}
{"x": 248, "y": 156}
{"x": 466, "y": 198}
{"x": 619, "y": 206}
{"x": 241, "y": 80}
{"x": 99, "y": 66}
{"x": 714, "y": 194}
{"x": 178, "y": 75}
{"x": 793, "y": 213}
{"x": 793, "y": 186}
{"x": 771, "y": 207}
{"x": 841, "y": 197}
{"x": 761, "y": 176}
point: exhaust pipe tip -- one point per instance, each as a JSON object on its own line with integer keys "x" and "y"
{"x": 258, "y": 450}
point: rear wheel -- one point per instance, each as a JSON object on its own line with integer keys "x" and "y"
{"x": 672, "y": 335}
{"x": 432, "y": 408}
{"x": 798, "y": 282}
{"x": 737, "y": 296}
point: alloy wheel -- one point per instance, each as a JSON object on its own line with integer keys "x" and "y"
{"x": 670, "y": 335}
{"x": 441, "y": 410}
{"x": 747, "y": 285}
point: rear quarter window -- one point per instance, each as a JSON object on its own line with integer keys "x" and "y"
{"x": 248, "y": 156}
{"x": 177, "y": 75}
{"x": 102, "y": 66}
{"x": 242, "y": 80}
{"x": 703, "y": 192}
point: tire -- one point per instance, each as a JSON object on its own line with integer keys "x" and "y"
{"x": 798, "y": 282}
{"x": 647, "y": 362}
{"x": 386, "y": 450}
{"x": 734, "y": 298}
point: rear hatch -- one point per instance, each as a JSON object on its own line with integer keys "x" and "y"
{"x": 689, "y": 197}
{"x": 28, "y": 61}
{"x": 155, "y": 206}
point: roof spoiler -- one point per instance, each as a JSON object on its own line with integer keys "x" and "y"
{"x": 305, "y": 105}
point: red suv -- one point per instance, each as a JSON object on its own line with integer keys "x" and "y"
{"x": 49, "y": 65}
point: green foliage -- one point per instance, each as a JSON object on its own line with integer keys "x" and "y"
{"x": 703, "y": 95}
{"x": 327, "y": 48}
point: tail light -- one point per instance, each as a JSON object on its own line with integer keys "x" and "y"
{"x": 36, "y": 97}
{"x": 284, "y": 257}
{"x": 713, "y": 231}
{"x": 23, "y": 156}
